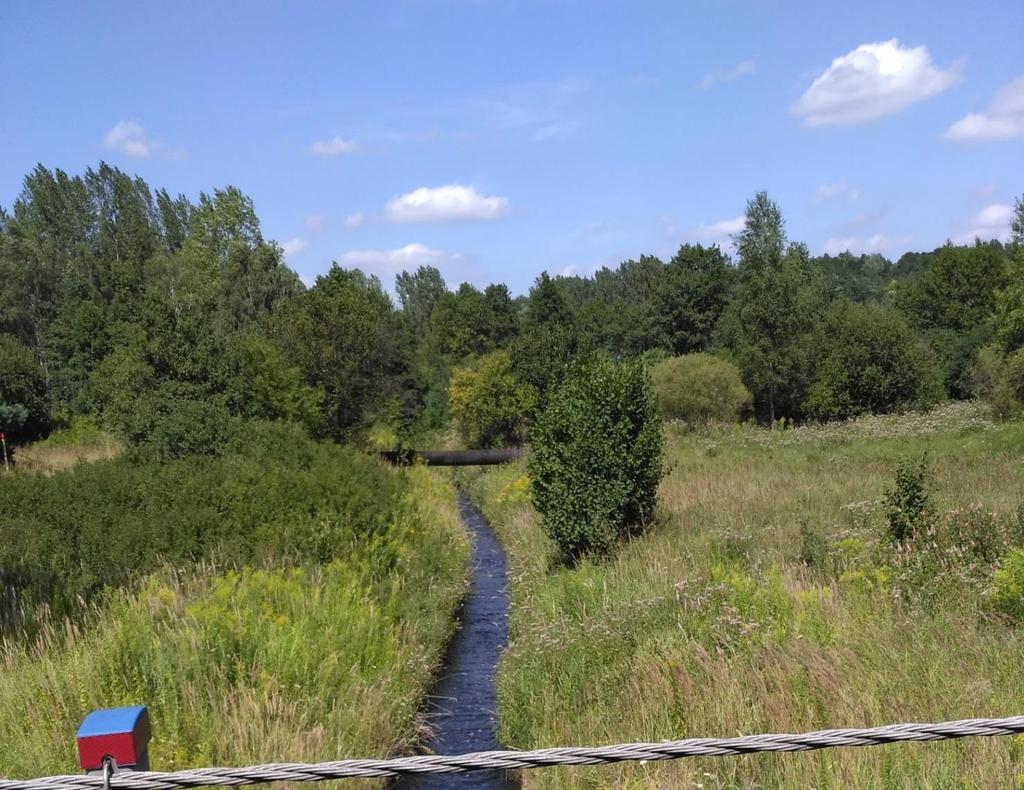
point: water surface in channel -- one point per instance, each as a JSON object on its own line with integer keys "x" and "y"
{"x": 462, "y": 706}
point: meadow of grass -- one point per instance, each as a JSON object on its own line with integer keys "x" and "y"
{"x": 768, "y": 597}
{"x": 81, "y": 441}
{"x": 280, "y": 659}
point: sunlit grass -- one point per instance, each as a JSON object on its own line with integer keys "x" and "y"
{"x": 81, "y": 442}
{"x": 256, "y": 665}
{"x": 712, "y": 625}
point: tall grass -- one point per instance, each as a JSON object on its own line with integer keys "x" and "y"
{"x": 768, "y": 598}
{"x": 80, "y": 442}
{"x": 268, "y": 663}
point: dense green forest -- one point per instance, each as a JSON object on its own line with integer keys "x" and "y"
{"x": 173, "y": 322}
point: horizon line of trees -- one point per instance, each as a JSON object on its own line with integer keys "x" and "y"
{"x": 174, "y": 322}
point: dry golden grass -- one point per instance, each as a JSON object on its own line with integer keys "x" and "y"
{"x": 50, "y": 459}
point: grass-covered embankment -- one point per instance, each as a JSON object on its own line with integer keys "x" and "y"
{"x": 769, "y": 598}
{"x": 289, "y": 603}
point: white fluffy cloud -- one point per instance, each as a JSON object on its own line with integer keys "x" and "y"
{"x": 293, "y": 247}
{"x": 742, "y": 69}
{"x": 872, "y": 81}
{"x": 389, "y": 261}
{"x": 130, "y": 139}
{"x": 1002, "y": 120}
{"x": 449, "y": 203}
{"x": 878, "y": 242}
{"x": 335, "y": 146}
{"x": 354, "y": 220}
{"x": 720, "y": 231}
{"x": 835, "y": 190}
{"x": 990, "y": 222}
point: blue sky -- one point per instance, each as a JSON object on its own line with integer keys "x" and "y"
{"x": 498, "y": 139}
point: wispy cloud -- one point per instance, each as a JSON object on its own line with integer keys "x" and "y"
{"x": 990, "y": 222}
{"x": 1003, "y": 119}
{"x": 334, "y": 146}
{"x": 130, "y": 139}
{"x": 873, "y": 81}
{"x": 742, "y": 69}
{"x": 354, "y": 220}
{"x": 391, "y": 261}
{"x": 862, "y": 245}
{"x": 537, "y": 111}
{"x": 315, "y": 223}
{"x": 720, "y": 232}
{"x": 449, "y": 203}
{"x": 293, "y": 247}
{"x": 838, "y": 189}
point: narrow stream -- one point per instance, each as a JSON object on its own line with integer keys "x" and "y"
{"x": 462, "y": 706}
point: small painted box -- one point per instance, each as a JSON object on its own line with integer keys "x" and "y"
{"x": 120, "y": 733}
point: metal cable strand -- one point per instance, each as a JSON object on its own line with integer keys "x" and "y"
{"x": 539, "y": 758}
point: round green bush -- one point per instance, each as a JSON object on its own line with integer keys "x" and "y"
{"x": 597, "y": 457}
{"x": 700, "y": 388}
{"x": 869, "y": 361}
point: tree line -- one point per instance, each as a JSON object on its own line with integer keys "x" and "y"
{"x": 173, "y": 322}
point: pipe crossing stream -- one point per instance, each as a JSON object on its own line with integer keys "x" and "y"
{"x": 462, "y": 707}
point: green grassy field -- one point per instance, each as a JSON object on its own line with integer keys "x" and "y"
{"x": 767, "y": 598}
{"x": 280, "y": 661}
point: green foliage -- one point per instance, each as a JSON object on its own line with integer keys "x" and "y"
{"x": 907, "y": 503}
{"x": 419, "y": 294}
{"x": 999, "y": 379}
{"x": 273, "y": 493}
{"x": 1017, "y": 222}
{"x": 869, "y": 361}
{"x": 1008, "y": 585}
{"x": 699, "y": 388}
{"x": 814, "y": 548}
{"x": 264, "y": 386}
{"x": 620, "y": 310}
{"x": 23, "y": 401}
{"x": 543, "y": 354}
{"x": 490, "y": 405}
{"x": 597, "y": 457}
{"x": 692, "y": 295}
{"x": 472, "y": 322}
{"x": 1010, "y": 303}
{"x": 547, "y": 305}
{"x": 342, "y": 334}
{"x": 954, "y": 304}
{"x": 775, "y": 306}
{"x": 241, "y": 666}
{"x": 857, "y": 278}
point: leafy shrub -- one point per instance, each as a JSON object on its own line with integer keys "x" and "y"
{"x": 542, "y": 355}
{"x": 273, "y": 494}
{"x": 813, "y": 547}
{"x": 869, "y": 360}
{"x": 977, "y": 533}
{"x": 907, "y": 507}
{"x": 249, "y": 664}
{"x": 999, "y": 380}
{"x": 700, "y": 388}
{"x": 23, "y": 409}
{"x": 489, "y": 403}
{"x": 1008, "y": 585}
{"x": 596, "y": 461}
